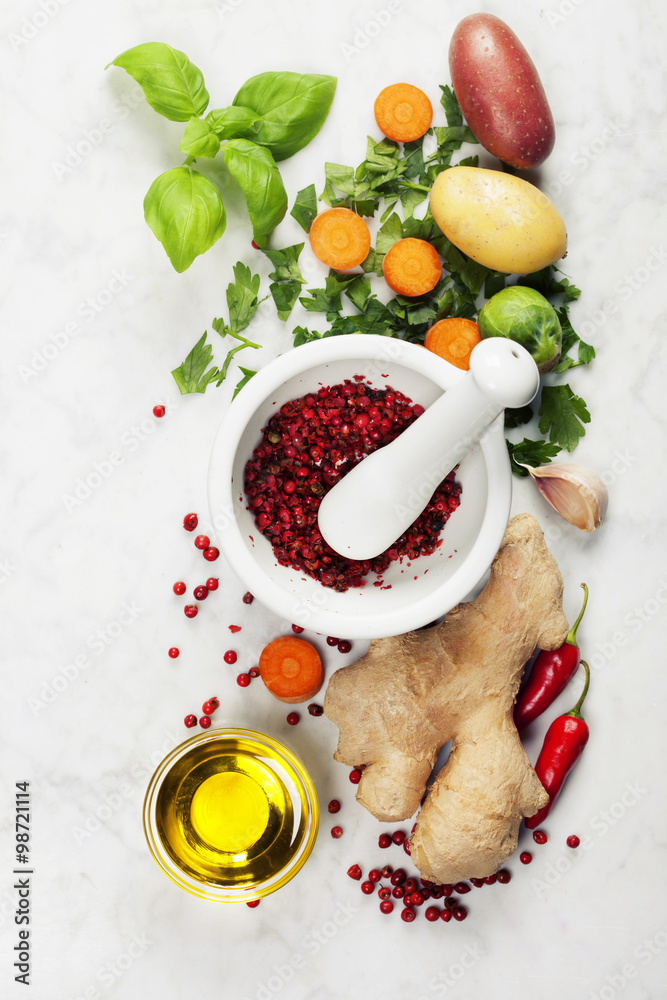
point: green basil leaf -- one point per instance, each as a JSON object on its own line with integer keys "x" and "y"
{"x": 293, "y": 108}
{"x": 233, "y": 123}
{"x": 255, "y": 170}
{"x": 304, "y": 209}
{"x": 199, "y": 139}
{"x": 186, "y": 214}
{"x": 172, "y": 85}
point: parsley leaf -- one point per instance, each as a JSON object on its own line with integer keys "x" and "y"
{"x": 242, "y": 301}
{"x": 516, "y": 416}
{"x": 533, "y": 453}
{"x": 192, "y": 375}
{"x": 563, "y": 415}
{"x": 304, "y": 208}
{"x": 287, "y": 278}
{"x": 450, "y": 103}
{"x": 327, "y": 300}
{"x": 247, "y": 375}
{"x": 304, "y": 336}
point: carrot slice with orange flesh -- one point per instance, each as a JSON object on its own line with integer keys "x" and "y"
{"x": 453, "y": 339}
{"x": 412, "y": 267}
{"x": 292, "y": 669}
{"x": 340, "y": 238}
{"x": 403, "y": 112}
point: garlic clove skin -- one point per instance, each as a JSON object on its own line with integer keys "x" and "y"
{"x": 574, "y": 491}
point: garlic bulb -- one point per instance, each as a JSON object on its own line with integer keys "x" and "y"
{"x": 575, "y": 492}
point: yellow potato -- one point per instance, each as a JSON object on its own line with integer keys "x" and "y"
{"x": 499, "y": 220}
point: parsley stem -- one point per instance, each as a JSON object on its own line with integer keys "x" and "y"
{"x": 244, "y": 341}
{"x": 414, "y": 187}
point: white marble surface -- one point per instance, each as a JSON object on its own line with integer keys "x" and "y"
{"x": 92, "y": 700}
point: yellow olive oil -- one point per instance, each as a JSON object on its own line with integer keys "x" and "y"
{"x": 230, "y": 815}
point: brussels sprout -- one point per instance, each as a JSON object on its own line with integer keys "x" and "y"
{"x": 523, "y": 315}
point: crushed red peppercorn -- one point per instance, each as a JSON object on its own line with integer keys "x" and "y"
{"x": 306, "y": 448}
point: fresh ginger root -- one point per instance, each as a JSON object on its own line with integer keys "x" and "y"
{"x": 398, "y": 705}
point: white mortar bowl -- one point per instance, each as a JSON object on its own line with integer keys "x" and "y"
{"x": 421, "y": 591}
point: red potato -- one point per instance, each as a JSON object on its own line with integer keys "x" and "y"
{"x": 500, "y": 92}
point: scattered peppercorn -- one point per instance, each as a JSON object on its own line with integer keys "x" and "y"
{"x": 190, "y": 721}
{"x": 525, "y": 857}
{"x": 174, "y": 652}
{"x": 297, "y": 629}
{"x": 211, "y": 554}
{"x": 293, "y": 718}
{"x": 504, "y": 876}
{"x": 315, "y": 710}
{"x": 354, "y": 872}
{"x": 336, "y": 832}
{"x": 334, "y": 806}
{"x": 540, "y": 837}
{"x": 252, "y": 903}
{"x": 243, "y": 680}
{"x": 230, "y": 656}
{"x": 190, "y": 610}
{"x": 159, "y": 410}
{"x": 573, "y": 840}
{"x": 384, "y": 840}
{"x": 202, "y": 542}
{"x": 179, "y": 588}
{"x": 205, "y": 722}
{"x": 212, "y": 583}
{"x": 248, "y": 598}
{"x": 200, "y": 593}
{"x": 344, "y": 646}
{"x": 355, "y": 776}
{"x": 190, "y": 522}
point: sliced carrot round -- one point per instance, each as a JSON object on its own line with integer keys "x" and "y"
{"x": 412, "y": 267}
{"x": 340, "y": 238}
{"x": 453, "y": 339}
{"x": 292, "y": 669}
{"x": 403, "y": 112}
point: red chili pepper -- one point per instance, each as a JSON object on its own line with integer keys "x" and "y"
{"x": 566, "y": 738}
{"x": 551, "y": 672}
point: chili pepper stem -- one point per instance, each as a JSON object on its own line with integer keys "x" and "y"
{"x": 572, "y": 634}
{"x": 576, "y": 711}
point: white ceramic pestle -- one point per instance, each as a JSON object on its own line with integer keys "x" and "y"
{"x": 375, "y": 502}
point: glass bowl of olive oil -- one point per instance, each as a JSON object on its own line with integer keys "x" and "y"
{"x": 231, "y": 815}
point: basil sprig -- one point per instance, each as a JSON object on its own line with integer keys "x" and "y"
{"x": 273, "y": 116}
